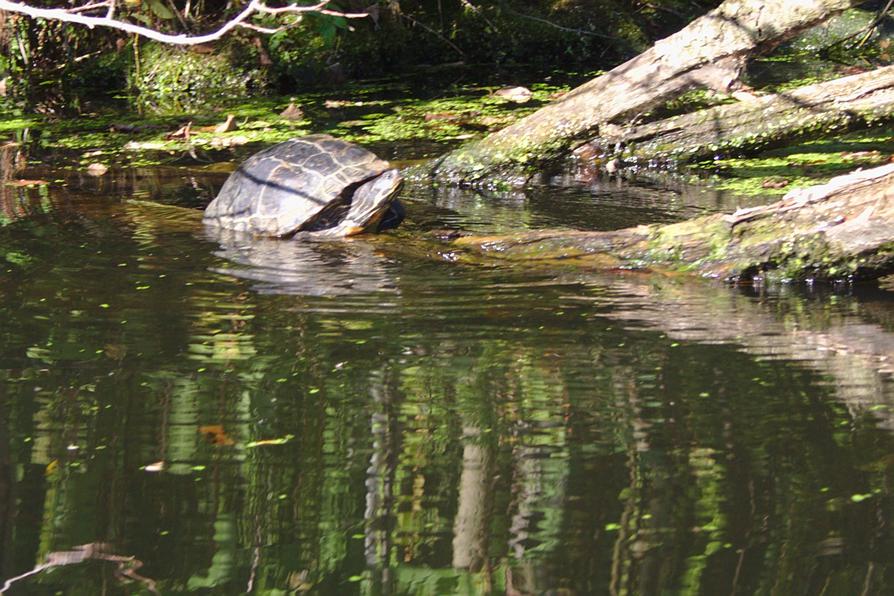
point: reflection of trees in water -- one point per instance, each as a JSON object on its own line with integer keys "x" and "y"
{"x": 16, "y": 201}
{"x": 188, "y": 188}
{"x": 476, "y": 460}
{"x": 438, "y": 440}
{"x": 9, "y": 160}
{"x": 856, "y": 353}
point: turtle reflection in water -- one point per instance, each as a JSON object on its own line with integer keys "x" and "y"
{"x": 316, "y": 186}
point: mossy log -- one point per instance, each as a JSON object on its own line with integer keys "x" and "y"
{"x": 840, "y": 230}
{"x": 710, "y": 52}
{"x": 764, "y": 121}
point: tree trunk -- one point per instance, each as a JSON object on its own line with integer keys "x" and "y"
{"x": 833, "y": 231}
{"x": 709, "y": 51}
{"x": 771, "y": 120}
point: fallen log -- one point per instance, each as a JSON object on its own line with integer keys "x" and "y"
{"x": 839, "y": 230}
{"x": 710, "y": 52}
{"x": 836, "y": 231}
{"x": 860, "y": 100}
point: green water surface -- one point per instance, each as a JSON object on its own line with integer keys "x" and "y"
{"x": 184, "y": 413}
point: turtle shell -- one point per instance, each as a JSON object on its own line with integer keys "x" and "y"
{"x": 292, "y": 186}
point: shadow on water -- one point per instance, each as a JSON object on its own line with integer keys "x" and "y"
{"x": 184, "y": 412}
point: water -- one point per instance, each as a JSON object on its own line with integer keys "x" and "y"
{"x": 183, "y": 413}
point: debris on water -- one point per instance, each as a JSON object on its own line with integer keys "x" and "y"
{"x": 97, "y": 169}
{"x": 514, "y": 94}
{"x": 292, "y": 112}
{"x": 775, "y": 183}
{"x": 25, "y": 182}
{"x": 216, "y": 435}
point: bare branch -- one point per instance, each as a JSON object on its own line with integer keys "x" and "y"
{"x": 318, "y": 8}
{"x": 259, "y": 29}
{"x": 75, "y": 15}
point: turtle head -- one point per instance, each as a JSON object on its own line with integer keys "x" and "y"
{"x": 371, "y": 203}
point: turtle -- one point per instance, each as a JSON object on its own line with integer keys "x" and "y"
{"x": 314, "y": 186}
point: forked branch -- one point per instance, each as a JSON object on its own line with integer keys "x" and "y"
{"x": 105, "y": 17}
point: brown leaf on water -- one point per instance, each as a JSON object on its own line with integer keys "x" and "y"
{"x": 775, "y": 183}
{"x": 115, "y": 351}
{"x": 216, "y": 435}
{"x": 228, "y": 126}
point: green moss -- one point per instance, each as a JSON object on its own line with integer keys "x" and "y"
{"x": 367, "y": 113}
{"x": 669, "y": 244}
{"x": 813, "y": 162}
{"x": 691, "y": 101}
{"x": 14, "y": 123}
{"x": 175, "y": 80}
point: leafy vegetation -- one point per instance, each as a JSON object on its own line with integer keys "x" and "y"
{"x": 55, "y": 67}
{"x": 173, "y": 80}
{"x": 370, "y": 113}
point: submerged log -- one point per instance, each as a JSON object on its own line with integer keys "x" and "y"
{"x": 839, "y": 230}
{"x": 770, "y": 120}
{"x": 710, "y": 52}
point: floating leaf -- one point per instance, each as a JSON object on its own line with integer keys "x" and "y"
{"x": 263, "y": 442}
{"x": 216, "y": 435}
{"x": 17, "y": 258}
{"x": 154, "y": 467}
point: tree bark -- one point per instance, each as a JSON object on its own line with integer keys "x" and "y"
{"x": 710, "y": 51}
{"x": 766, "y": 121}
{"x": 839, "y": 230}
